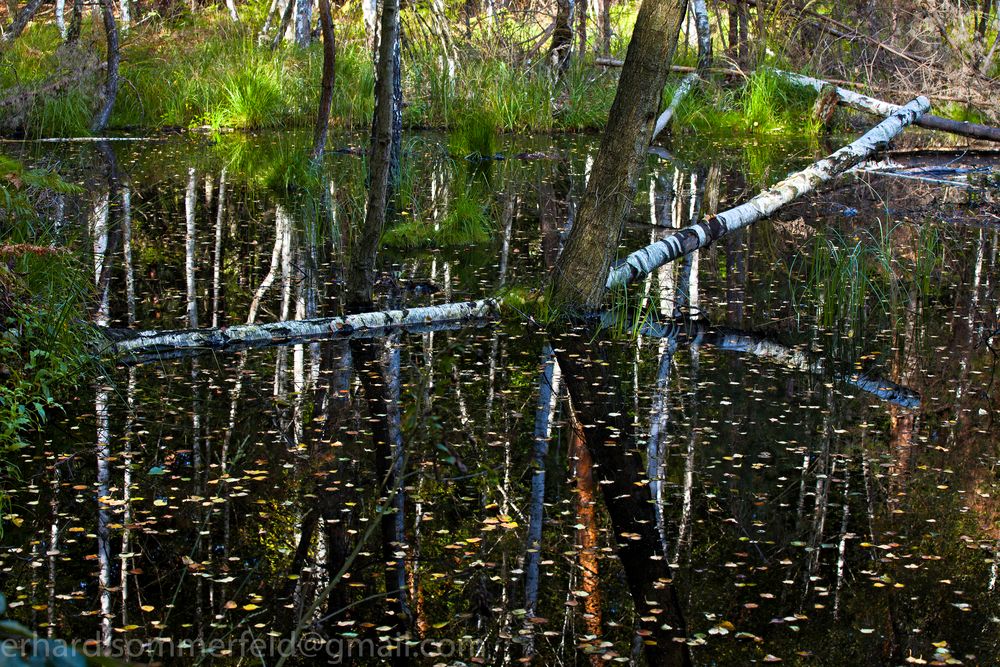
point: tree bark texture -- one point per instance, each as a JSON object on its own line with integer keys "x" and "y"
{"x": 21, "y": 21}
{"x": 704, "y": 29}
{"x": 881, "y": 108}
{"x": 643, "y": 261}
{"x": 329, "y": 75}
{"x": 577, "y": 280}
{"x": 361, "y": 275}
{"x": 128, "y": 343}
{"x": 561, "y": 46}
{"x": 111, "y": 81}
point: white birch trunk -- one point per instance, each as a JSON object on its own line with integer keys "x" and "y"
{"x": 882, "y": 108}
{"x": 252, "y": 335}
{"x": 190, "y": 201}
{"x": 699, "y": 235}
{"x": 61, "y": 17}
{"x": 682, "y": 90}
{"x": 704, "y": 29}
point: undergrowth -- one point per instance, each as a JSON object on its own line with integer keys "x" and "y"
{"x": 43, "y": 343}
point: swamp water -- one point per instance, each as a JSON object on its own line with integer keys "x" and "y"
{"x": 808, "y": 455}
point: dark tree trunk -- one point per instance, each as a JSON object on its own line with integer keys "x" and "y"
{"x": 21, "y": 21}
{"x": 378, "y": 365}
{"x": 602, "y": 15}
{"x": 286, "y": 19}
{"x": 619, "y": 472}
{"x": 581, "y": 31}
{"x": 577, "y": 281}
{"x": 111, "y": 82}
{"x": 75, "y": 21}
{"x": 561, "y": 47}
{"x": 361, "y": 275}
{"x": 329, "y": 73}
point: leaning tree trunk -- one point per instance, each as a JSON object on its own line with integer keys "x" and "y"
{"x": 578, "y": 277}
{"x": 712, "y": 228}
{"x": 20, "y": 22}
{"x": 286, "y": 19}
{"x": 668, "y": 114}
{"x": 361, "y": 275}
{"x": 329, "y": 74}
{"x": 111, "y": 82}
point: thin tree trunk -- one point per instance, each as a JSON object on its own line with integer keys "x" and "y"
{"x": 699, "y": 235}
{"x": 602, "y": 14}
{"x": 266, "y": 28}
{"x": 303, "y": 22}
{"x": 577, "y": 280}
{"x": 704, "y": 29}
{"x": 682, "y": 90}
{"x": 581, "y": 30}
{"x": 561, "y": 46}
{"x": 286, "y": 19}
{"x": 329, "y": 74}
{"x": 20, "y": 22}
{"x": 75, "y": 22}
{"x": 61, "y": 17}
{"x": 587, "y": 536}
{"x": 126, "y": 15}
{"x": 361, "y": 276}
{"x": 111, "y": 82}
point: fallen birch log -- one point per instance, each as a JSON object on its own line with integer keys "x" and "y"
{"x": 728, "y": 71}
{"x": 682, "y": 90}
{"x": 746, "y": 342}
{"x": 136, "y": 344}
{"x": 712, "y": 228}
{"x": 882, "y": 108}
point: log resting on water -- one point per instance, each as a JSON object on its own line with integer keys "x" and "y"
{"x": 687, "y": 240}
{"x": 757, "y": 345}
{"x": 883, "y": 108}
{"x": 137, "y": 345}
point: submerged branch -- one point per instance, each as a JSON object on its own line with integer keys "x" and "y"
{"x": 712, "y": 228}
{"x": 757, "y": 345}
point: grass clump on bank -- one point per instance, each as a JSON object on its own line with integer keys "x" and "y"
{"x": 43, "y": 342}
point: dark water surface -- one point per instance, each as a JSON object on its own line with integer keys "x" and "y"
{"x": 807, "y": 456}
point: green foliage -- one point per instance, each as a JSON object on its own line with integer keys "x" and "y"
{"x": 466, "y": 222}
{"x": 43, "y": 346}
{"x": 475, "y": 135}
